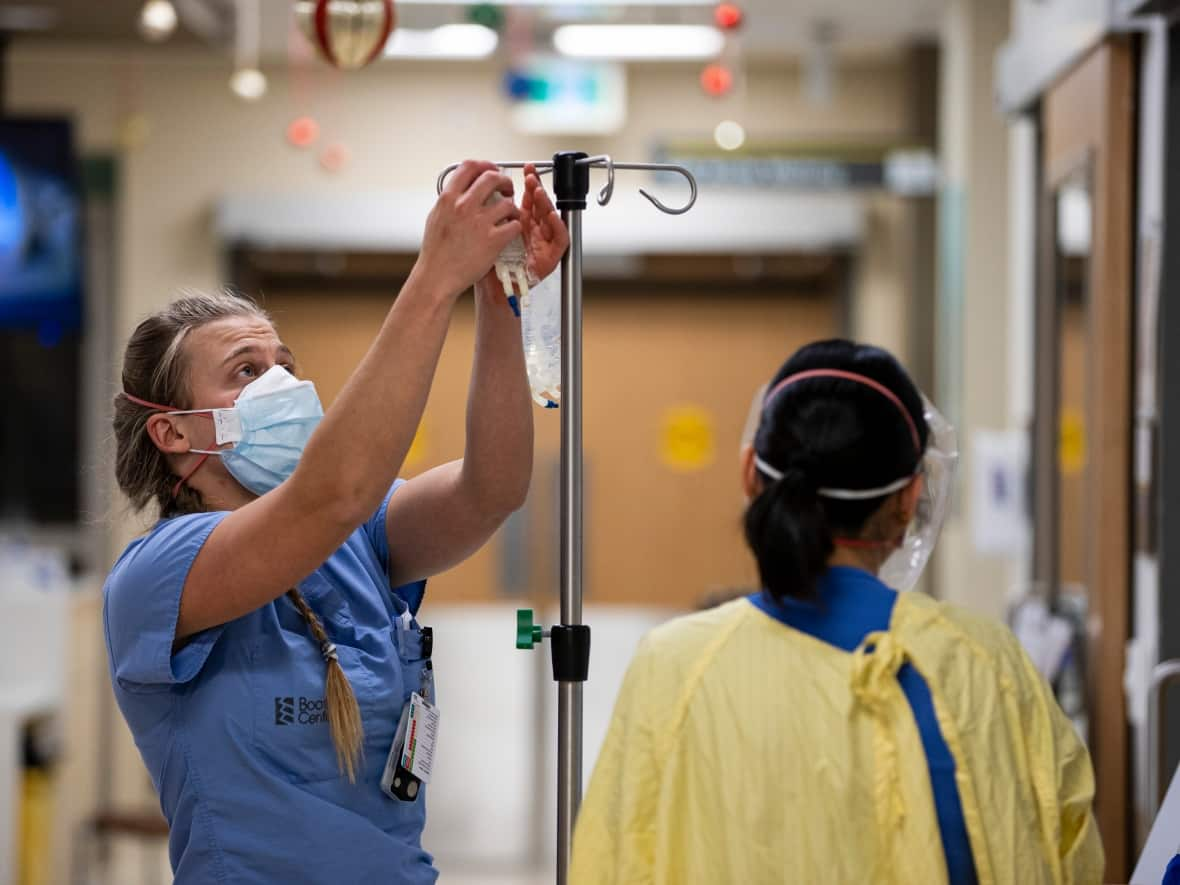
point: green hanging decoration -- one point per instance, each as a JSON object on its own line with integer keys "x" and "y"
{"x": 487, "y": 14}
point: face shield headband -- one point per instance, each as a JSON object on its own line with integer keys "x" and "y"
{"x": 936, "y": 466}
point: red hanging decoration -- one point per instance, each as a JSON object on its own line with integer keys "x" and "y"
{"x": 303, "y": 132}
{"x": 717, "y": 80}
{"x": 728, "y": 16}
{"x": 347, "y": 33}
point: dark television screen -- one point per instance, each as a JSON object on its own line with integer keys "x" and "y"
{"x": 40, "y": 227}
{"x": 41, "y": 248}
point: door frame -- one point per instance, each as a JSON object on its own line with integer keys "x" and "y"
{"x": 1087, "y": 121}
{"x": 1166, "y": 504}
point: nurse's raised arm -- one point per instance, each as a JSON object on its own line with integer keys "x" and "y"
{"x": 204, "y": 353}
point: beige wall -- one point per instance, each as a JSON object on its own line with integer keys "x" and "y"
{"x": 974, "y": 153}
{"x": 400, "y": 123}
{"x": 881, "y": 301}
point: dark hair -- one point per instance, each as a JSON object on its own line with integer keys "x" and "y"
{"x": 827, "y": 432}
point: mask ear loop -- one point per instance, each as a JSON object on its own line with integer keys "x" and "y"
{"x": 861, "y": 544}
{"x": 200, "y": 463}
{"x": 168, "y": 409}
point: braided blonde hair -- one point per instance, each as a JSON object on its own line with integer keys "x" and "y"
{"x": 155, "y": 369}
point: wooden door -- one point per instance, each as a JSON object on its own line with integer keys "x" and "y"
{"x": 664, "y": 513}
{"x": 663, "y": 524}
{"x": 1084, "y": 383}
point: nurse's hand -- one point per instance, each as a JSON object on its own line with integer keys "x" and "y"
{"x": 545, "y": 235}
{"x": 463, "y": 234}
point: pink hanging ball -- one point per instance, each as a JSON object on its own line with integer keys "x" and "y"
{"x": 334, "y": 158}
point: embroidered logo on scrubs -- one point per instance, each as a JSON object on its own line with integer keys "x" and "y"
{"x": 284, "y": 711}
{"x": 300, "y": 711}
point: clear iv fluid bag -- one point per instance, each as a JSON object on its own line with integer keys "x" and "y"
{"x": 540, "y": 319}
{"x": 540, "y": 328}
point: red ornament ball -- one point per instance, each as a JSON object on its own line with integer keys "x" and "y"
{"x": 303, "y": 132}
{"x": 717, "y": 80}
{"x": 347, "y": 33}
{"x": 728, "y": 16}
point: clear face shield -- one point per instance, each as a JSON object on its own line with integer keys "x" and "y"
{"x": 754, "y": 417}
{"x": 906, "y": 563}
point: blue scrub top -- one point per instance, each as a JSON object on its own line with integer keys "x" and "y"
{"x": 1172, "y": 873}
{"x": 233, "y": 729}
{"x": 852, "y": 604}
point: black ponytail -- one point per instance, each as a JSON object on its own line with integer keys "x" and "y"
{"x": 827, "y": 432}
{"x": 788, "y": 531}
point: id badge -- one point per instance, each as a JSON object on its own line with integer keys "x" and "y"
{"x": 421, "y": 738}
{"x": 396, "y": 782}
{"x": 411, "y": 758}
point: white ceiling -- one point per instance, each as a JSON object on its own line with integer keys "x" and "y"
{"x": 774, "y": 28}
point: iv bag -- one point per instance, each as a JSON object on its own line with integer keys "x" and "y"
{"x": 540, "y": 318}
{"x": 540, "y": 329}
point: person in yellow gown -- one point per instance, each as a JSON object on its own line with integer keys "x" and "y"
{"x": 829, "y": 728}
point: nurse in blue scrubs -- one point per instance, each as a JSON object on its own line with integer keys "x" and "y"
{"x": 263, "y": 635}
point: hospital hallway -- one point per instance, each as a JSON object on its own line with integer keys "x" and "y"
{"x": 776, "y": 480}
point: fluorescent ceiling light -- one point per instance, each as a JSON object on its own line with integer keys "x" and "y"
{"x": 582, "y": 3}
{"x": 449, "y": 41}
{"x": 638, "y": 41}
{"x": 27, "y": 18}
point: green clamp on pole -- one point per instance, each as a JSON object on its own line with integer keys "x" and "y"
{"x": 528, "y": 635}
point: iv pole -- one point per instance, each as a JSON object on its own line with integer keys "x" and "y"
{"x": 570, "y": 640}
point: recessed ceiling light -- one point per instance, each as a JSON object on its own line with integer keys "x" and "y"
{"x": 157, "y": 20}
{"x": 729, "y": 135}
{"x": 248, "y": 84}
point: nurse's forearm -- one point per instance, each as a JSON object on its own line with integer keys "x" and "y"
{"x": 363, "y": 439}
{"x": 498, "y": 461}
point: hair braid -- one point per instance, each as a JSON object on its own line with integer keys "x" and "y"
{"x": 344, "y": 715}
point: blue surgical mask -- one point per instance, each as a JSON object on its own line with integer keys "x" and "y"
{"x": 269, "y": 426}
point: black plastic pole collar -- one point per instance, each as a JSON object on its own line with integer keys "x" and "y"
{"x": 571, "y": 653}
{"x": 571, "y": 180}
